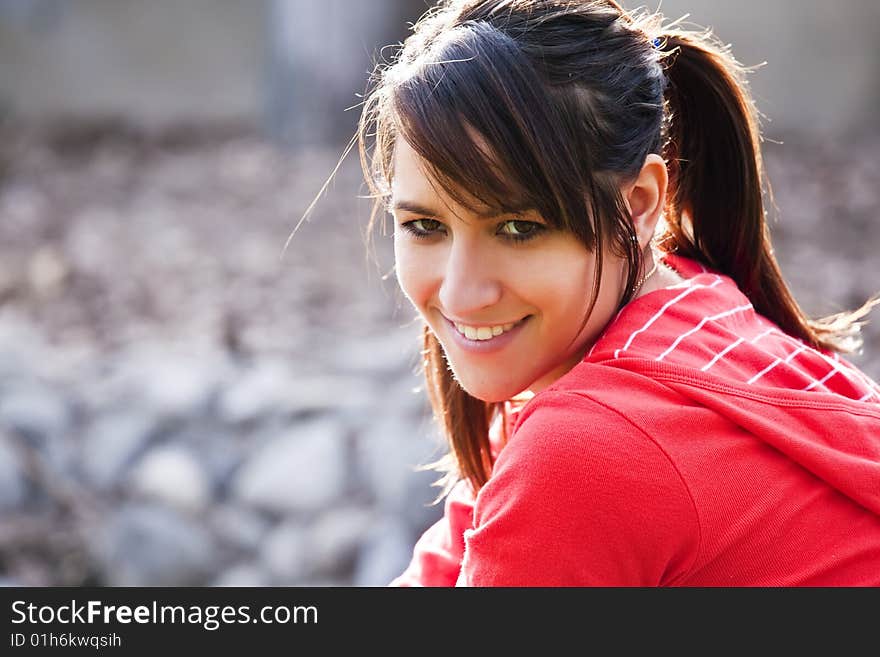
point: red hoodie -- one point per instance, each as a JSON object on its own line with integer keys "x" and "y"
{"x": 696, "y": 444}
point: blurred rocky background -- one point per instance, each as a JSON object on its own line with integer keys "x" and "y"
{"x": 182, "y": 400}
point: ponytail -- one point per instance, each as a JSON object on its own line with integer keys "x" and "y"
{"x": 715, "y": 213}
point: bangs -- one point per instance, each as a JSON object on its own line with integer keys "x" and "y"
{"x": 476, "y": 111}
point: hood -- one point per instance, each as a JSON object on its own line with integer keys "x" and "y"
{"x": 704, "y": 340}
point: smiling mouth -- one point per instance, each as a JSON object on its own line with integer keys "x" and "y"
{"x": 485, "y": 332}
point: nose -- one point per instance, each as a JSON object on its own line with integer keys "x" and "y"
{"x": 470, "y": 281}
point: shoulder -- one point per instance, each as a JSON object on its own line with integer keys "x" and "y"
{"x": 588, "y": 489}
{"x": 582, "y": 449}
{"x": 590, "y": 433}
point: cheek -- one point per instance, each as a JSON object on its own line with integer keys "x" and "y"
{"x": 412, "y": 274}
{"x": 563, "y": 283}
{"x": 563, "y": 286}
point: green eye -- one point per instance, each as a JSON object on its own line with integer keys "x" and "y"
{"x": 422, "y": 228}
{"x": 517, "y": 229}
{"x": 426, "y": 225}
{"x": 520, "y": 227}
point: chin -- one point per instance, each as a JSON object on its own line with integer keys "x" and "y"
{"x": 489, "y": 392}
{"x": 490, "y": 398}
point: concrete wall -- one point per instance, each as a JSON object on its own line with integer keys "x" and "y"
{"x": 823, "y": 58}
{"x": 152, "y": 61}
{"x": 320, "y": 57}
{"x": 297, "y": 64}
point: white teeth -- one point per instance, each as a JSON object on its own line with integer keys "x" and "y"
{"x": 483, "y": 332}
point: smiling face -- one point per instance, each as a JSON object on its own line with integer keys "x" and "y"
{"x": 505, "y": 295}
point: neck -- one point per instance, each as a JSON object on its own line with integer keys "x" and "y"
{"x": 661, "y": 276}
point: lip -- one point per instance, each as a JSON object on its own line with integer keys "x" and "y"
{"x": 486, "y": 346}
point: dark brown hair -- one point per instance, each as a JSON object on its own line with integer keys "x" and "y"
{"x": 568, "y": 98}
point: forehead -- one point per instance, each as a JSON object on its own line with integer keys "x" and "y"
{"x": 414, "y": 188}
{"x": 412, "y": 178}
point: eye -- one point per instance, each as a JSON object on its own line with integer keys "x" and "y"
{"x": 427, "y": 225}
{"x": 422, "y": 227}
{"x": 518, "y": 229}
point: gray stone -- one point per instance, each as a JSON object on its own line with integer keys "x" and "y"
{"x": 284, "y": 553}
{"x": 242, "y": 574}
{"x": 335, "y": 538}
{"x": 324, "y": 582}
{"x": 390, "y": 454}
{"x": 170, "y": 381}
{"x": 334, "y": 393}
{"x": 385, "y": 554}
{"x": 273, "y": 388}
{"x": 149, "y": 545}
{"x": 389, "y": 352}
{"x": 37, "y": 412}
{"x": 179, "y": 388}
{"x": 259, "y": 391}
{"x": 241, "y": 528}
{"x": 219, "y": 449}
{"x": 300, "y": 471}
{"x": 171, "y": 474}
{"x": 19, "y": 343}
{"x": 406, "y": 398}
{"x": 13, "y": 484}
{"x": 6, "y": 582}
{"x": 344, "y": 396}
{"x": 112, "y": 443}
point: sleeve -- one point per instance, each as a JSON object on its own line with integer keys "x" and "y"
{"x": 436, "y": 559}
{"x": 580, "y": 497}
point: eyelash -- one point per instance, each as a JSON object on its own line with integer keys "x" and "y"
{"x": 536, "y": 229}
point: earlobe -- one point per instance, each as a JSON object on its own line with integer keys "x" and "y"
{"x": 646, "y": 196}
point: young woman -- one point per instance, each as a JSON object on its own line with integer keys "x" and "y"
{"x": 630, "y": 392}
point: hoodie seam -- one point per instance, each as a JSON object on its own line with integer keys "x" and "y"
{"x": 779, "y": 399}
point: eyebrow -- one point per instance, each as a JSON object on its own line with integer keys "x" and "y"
{"x": 417, "y": 208}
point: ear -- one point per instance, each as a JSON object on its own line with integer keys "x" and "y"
{"x": 645, "y": 197}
